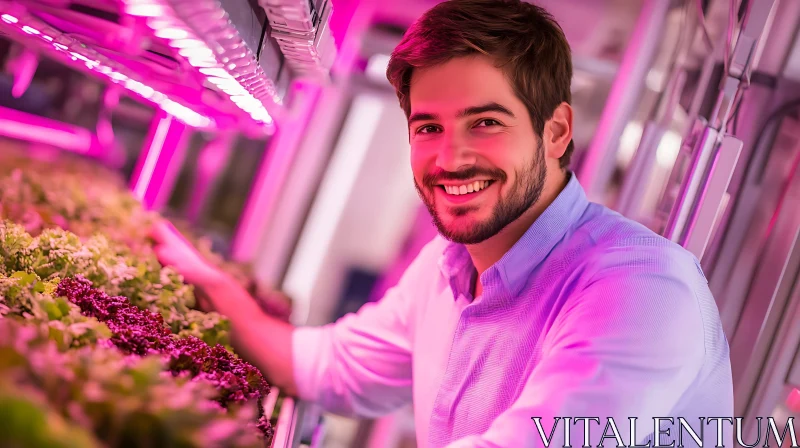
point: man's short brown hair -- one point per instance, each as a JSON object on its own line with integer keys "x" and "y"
{"x": 525, "y": 41}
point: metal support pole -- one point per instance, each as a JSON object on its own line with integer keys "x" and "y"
{"x": 702, "y": 151}
{"x": 638, "y": 174}
{"x": 159, "y": 164}
{"x": 703, "y": 192}
{"x": 713, "y": 199}
{"x": 746, "y": 187}
{"x": 598, "y": 163}
{"x": 641, "y": 168}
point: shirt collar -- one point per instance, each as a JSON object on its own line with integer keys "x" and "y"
{"x": 514, "y": 268}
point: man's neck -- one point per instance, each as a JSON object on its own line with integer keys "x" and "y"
{"x": 489, "y": 252}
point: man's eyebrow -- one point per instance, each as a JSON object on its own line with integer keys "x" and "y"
{"x": 474, "y": 110}
{"x": 422, "y": 116}
{"x": 488, "y": 107}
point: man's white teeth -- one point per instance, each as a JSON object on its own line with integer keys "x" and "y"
{"x": 478, "y": 185}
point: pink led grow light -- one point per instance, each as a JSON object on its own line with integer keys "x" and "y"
{"x": 74, "y": 53}
{"x": 202, "y": 33}
{"x": 22, "y": 126}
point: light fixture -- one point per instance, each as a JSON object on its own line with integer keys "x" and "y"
{"x": 219, "y": 72}
{"x": 302, "y": 30}
{"x": 171, "y": 33}
{"x": 191, "y": 27}
{"x": 73, "y": 51}
{"x": 144, "y": 9}
{"x": 20, "y": 125}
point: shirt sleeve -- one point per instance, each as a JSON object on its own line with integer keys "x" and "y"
{"x": 361, "y": 364}
{"x": 628, "y": 345}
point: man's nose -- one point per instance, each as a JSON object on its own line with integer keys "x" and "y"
{"x": 455, "y": 154}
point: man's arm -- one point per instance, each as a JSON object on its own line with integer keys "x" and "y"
{"x": 628, "y": 345}
{"x": 262, "y": 340}
{"x": 359, "y": 365}
{"x": 259, "y": 338}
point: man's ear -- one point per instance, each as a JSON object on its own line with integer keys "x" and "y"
{"x": 558, "y": 131}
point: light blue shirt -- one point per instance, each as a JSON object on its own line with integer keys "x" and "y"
{"x": 588, "y": 315}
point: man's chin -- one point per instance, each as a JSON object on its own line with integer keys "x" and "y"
{"x": 467, "y": 237}
{"x": 460, "y": 219}
{"x": 464, "y": 230}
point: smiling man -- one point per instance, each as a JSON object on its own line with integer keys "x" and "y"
{"x": 533, "y": 304}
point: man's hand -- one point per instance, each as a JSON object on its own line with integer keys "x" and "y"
{"x": 262, "y": 340}
{"x": 172, "y": 249}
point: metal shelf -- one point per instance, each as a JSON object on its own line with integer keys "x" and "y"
{"x": 299, "y": 423}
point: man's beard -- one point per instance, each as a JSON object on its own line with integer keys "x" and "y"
{"x": 522, "y": 195}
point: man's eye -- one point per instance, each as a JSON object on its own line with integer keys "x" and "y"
{"x": 427, "y": 129}
{"x": 487, "y": 122}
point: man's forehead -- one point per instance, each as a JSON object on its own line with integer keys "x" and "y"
{"x": 450, "y": 88}
{"x": 459, "y": 77}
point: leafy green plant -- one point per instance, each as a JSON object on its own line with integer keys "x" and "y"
{"x": 57, "y": 253}
{"x": 25, "y": 296}
{"x": 99, "y": 393}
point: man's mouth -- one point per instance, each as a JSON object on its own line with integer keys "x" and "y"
{"x": 471, "y": 187}
{"x": 461, "y": 192}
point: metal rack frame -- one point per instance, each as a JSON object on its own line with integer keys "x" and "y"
{"x": 299, "y": 423}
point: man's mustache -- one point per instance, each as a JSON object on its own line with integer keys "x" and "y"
{"x": 430, "y": 180}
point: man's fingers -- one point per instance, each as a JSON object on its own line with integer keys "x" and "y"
{"x": 163, "y": 232}
{"x": 161, "y": 255}
{"x": 159, "y": 232}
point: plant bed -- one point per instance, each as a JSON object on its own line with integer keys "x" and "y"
{"x": 100, "y": 345}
